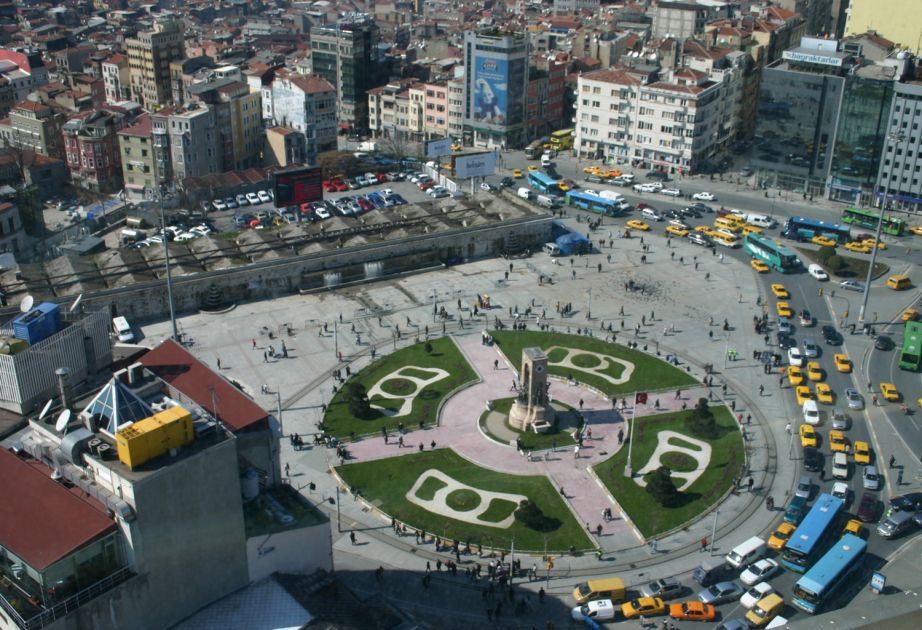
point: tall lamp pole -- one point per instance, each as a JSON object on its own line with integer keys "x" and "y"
{"x": 892, "y": 138}
{"x": 166, "y": 255}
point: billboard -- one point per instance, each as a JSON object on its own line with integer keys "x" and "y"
{"x": 297, "y": 185}
{"x": 475, "y": 165}
{"x": 491, "y": 91}
{"x": 438, "y": 148}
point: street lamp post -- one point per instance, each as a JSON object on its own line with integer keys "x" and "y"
{"x": 892, "y": 138}
{"x": 166, "y": 255}
{"x": 628, "y": 472}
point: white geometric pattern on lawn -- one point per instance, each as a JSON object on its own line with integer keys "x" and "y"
{"x": 702, "y": 455}
{"x": 438, "y": 505}
{"x": 407, "y": 399}
{"x": 604, "y": 359}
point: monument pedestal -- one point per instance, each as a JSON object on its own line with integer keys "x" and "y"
{"x": 532, "y": 411}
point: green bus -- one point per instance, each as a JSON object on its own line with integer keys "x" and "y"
{"x": 776, "y": 256}
{"x": 911, "y": 355}
{"x": 868, "y": 219}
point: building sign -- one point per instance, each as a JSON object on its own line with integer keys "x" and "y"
{"x": 805, "y": 57}
{"x": 491, "y": 91}
{"x": 296, "y": 186}
{"x": 438, "y": 148}
{"x": 475, "y": 165}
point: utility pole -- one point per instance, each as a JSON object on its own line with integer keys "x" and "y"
{"x": 166, "y": 256}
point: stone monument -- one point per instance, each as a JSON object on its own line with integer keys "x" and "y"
{"x": 531, "y": 410}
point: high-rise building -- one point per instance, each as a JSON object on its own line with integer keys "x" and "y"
{"x": 900, "y": 178}
{"x": 307, "y": 103}
{"x": 496, "y": 83}
{"x": 116, "y": 78}
{"x": 149, "y": 57}
{"x": 346, "y": 55}
{"x": 139, "y": 164}
{"x": 239, "y": 120}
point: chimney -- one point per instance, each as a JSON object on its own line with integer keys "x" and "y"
{"x": 64, "y": 385}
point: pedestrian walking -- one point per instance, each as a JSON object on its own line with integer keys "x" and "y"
{"x": 892, "y": 461}
{"x": 254, "y": 344}
{"x": 899, "y": 478}
{"x": 352, "y": 537}
{"x": 576, "y": 452}
{"x": 265, "y": 357}
{"x": 581, "y": 404}
{"x": 620, "y": 436}
{"x": 653, "y": 545}
{"x": 751, "y": 483}
{"x": 704, "y": 543}
{"x": 678, "y": 394}
{"x": 761, "y": 389}
{"x": 287, "y": 467}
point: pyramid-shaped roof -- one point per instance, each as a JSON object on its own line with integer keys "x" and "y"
{"x": 117, "y": 407}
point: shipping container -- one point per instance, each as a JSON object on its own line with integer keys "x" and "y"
{"x": 151, "y": 437}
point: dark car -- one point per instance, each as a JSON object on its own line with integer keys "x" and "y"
{"x": 883, "y": 342}
{"x": 702, "y": 207}
{"x": 594, "y": 179}
{"x": 786, "y": 341}
{"x": 691, "y": 211}
{"x": 507, "y": 182}
{"x": 813, "y": 459}
{"x": 867, "y": 508}
{"x": 831, "y": 336}
{"x": 700, "y": 239}
{"x": 673, "y": 214}
{"x": 658, "y": 175}
{"x": 910, "y": 502}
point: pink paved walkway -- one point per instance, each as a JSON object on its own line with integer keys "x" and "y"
{"x": 459, "y": 430}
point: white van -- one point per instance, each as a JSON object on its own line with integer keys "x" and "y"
{"x": 551, "y": 249}
{"x": 840, "y": 465}
{"x": 524, "y": 193}
{"x": 760, "y": 220}
{"x": 811, "y": 412}
{"x": 747, "y": 553}
{"x": 651, "y": 215}
{"x": 122, "y": 329}
{"x": 817, "y": 272}
{"x": 612, "y": 195}
{"x": 548, "y": 202}
{"x": 546, "y": 160}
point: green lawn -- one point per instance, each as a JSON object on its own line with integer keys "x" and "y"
{"x": 531, "y": 441}
{"x": 651, "y": 518}
{"x": 650, "y": 373}
{"x": 445, "y": 355}
{"x": 856, "y": 265}
{"x": 386, "y": 482}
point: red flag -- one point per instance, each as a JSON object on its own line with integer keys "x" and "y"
{"x": 640, "y": 398}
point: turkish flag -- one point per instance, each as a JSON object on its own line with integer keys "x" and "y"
{"x": 640, "y": 398}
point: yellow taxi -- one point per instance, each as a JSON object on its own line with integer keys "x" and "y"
{"x": 456, "y": 147}
{"x": 843, "y": 363}
{"x": 635, "y": 224}
{"x": 564, "y": 187}
{"x": 823, "y": 241}
{"x": 532, "y": 167}
{"x": 795, "y": 375}
{"x": 803, "y": 393}
{"x": 613, "y": 173}
{"x": 910, "y": 314}
{"x": 917, "y": 230}
{"x": 838, "y": 443}
{"x": 676, "y": 230}
{"x": 645, "y": 606}
{"x": 593, "y": 170}
{"x": 783, "y": 309}
{"x": 814, "y": 371}
{"x": 517, "y": 173}
{"x": 760, "y": 266}
{"x": 854, "y": 527}
{"x": 862, "y": 452}
{"x": 807, "y": 436}
{"x": 750, "y": 229}
{"x": 869, "y": 242}
{"x": 890, "y": 392}
{"x": 858, "y": 247}
{"x": 824, "y": 394}
{"x": 779, "y": 291}
{"x": 780, "y": 536}
{"x": 706, "y": 230}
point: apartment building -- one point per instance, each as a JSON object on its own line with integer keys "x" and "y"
{"x": 545, "y": 97}
{"x": 136, "y": 151}
{"x": 435, "y": 113}
{"x": 149, "y": 58}
{"x": 284, "y": 147}
{"x": 193, "y": 141}
{"x": 901, "y": 169}
{"x": 92, "y": 151}
{"x": 456, "y": 107}
{"x": 116, "y": 78}
{"x": 238, "y": 113}
{"x": 24, "y": 70}
{"x": 35, "y": 127}
{"x": 308, "y": 104}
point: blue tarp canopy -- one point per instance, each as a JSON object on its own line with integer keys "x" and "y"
{"x": 572, "y": 243}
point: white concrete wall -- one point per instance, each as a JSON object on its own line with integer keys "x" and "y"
{"x": 301, "y": 551}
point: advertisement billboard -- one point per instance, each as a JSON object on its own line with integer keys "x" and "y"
{"x": 475, "y": 165}
{"x": 298, "y": 185}
{"x": 491, "y": 91}
{"x": 438, "y": 148}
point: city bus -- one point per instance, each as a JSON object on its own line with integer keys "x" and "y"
{"x": 534, "y": 150}
{"x": 543, "y": 184}
{"x": 776, "y": 256}
{"x": 911, "y": 354}
{"x": 808, "y": 540}
{"x": 561, "y": 140}
{"x": 868, "y": 219}
{"x": 820, "y": 583}
{"x": 803, "y": 229}
{"x": 594, "y": 203}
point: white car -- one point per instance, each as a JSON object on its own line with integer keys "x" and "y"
{"x": 253, "y": 198}
{"x": 817, "y": 272}
{"x": 758, "y": 571}
{"x": 186, "y": 236}
{"x": 219, "y": 204}
{"x": 322, "y": 213}
{"x": 597, "y": 610}
{"x": 264, "y": 196}
{"x": 870, "y": 478}
{"x": 645, "y": 188}
{"x": 840, "y": 490}
{"x": 672, "y": 192}
{"x": 242, "y": 200}
{"x": 757, "y": 592}
{"x": 811, "y": 350}
{"x": 201, "y": 230}
{"x": 795, "y": 357}
{"x": 704, "y": 196}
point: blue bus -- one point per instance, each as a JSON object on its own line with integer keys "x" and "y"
{"x": 803, "y": 229}
{"x": 808, "y": 540}
{"x": 594, "y": 203}
{"x": 820, "y": 583}
{"x": 543, "y": 184}
{"x": 776, "y": 256}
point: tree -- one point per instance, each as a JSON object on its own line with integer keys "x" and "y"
{"x": 428, "y": 348}
{"x": 338, "y": 163}
{"x": 701, "y": 421}
{"x": 357, "y": 399}
{"x": 662, "y": 488}
{"x": 825, "y": 253}
{"x": 530, "y": 515}
{"x": 836, "y": 263}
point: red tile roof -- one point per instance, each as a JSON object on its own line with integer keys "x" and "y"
{"x": 41, "y": 521}
{"x": 141, "y": 127}
{"x": 173, "y": 364}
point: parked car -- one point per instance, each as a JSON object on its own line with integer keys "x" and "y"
{"x": 242, "y": 200}
{"x": 230, "y": 202}
{"x": 219, "y": 204}
{"x": 263, "y": 196}
{"x": 671, "y": 192}
{"x": 253, "y": 198}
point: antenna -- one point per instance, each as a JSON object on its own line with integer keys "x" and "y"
{"x": 63, "y": 420}
{"x": 26, "y": 305}
{"x": 73, "y": 307}
{"x": 45, "y": 409}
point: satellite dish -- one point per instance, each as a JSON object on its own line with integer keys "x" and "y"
{"x": 26, "y": 305}
{"x": 73, "y": 307}
{"x": 63, "y": 421}
{"x": 45, "y": 409}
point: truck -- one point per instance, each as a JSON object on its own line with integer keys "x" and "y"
{"x": 369, "y": 146}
